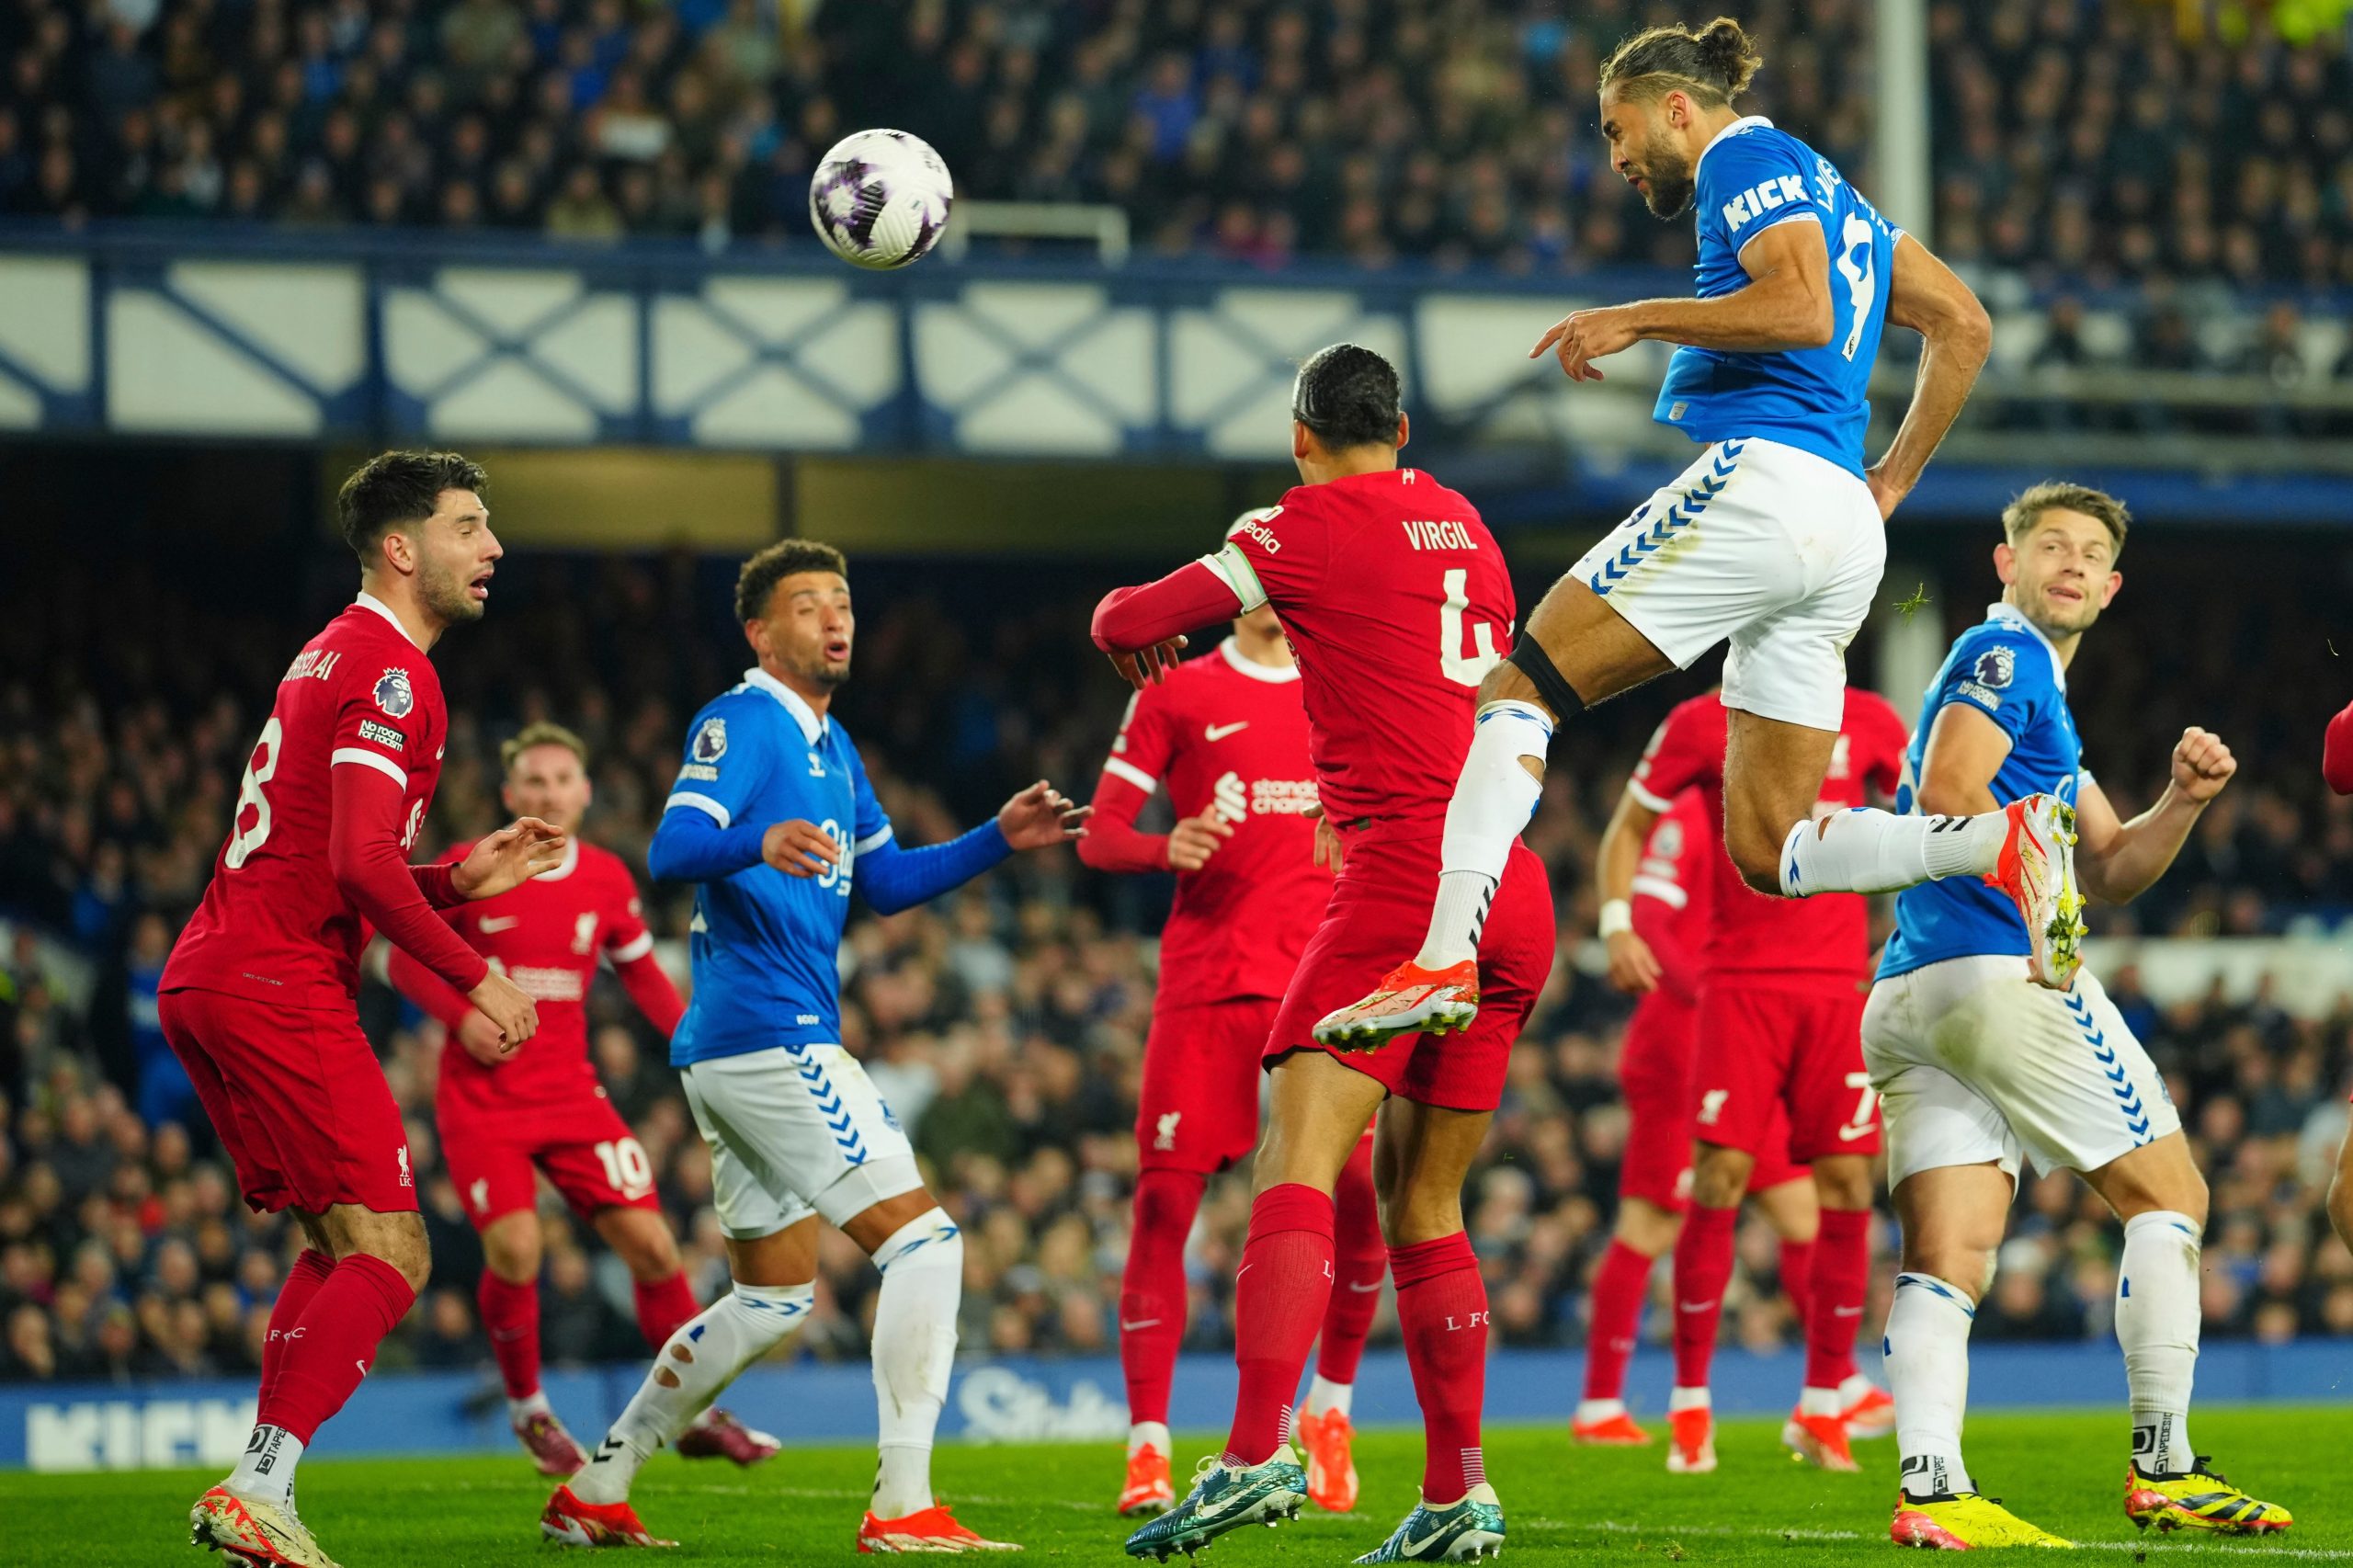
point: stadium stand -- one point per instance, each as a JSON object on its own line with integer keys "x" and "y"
{"x": 1005, "y": 1024}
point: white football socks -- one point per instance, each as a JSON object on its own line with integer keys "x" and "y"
{"x": 1928, "y": 1371}
{"x": 533, "y": 1403}
{"x": 2156, "y": 1321}
{"x": 1866, "y": 851}
{"x": 703, "y": 1356}
{"x": 915, "y": 1350}
{"x": 265, "y": 1472}
{"x": 1323, "y": 1396}
{"x": 1492, "y": 799}
{"x": 1143, "y": 1435}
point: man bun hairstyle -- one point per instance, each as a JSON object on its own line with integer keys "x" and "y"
{"x": 2058, "y": 496}
{"x": 1348, "y": 396}
{"x": 1713, "y": 65}
{"x": 541, "y": 733}
{"x": 393, "y": 489}
{"x": 763, "y": 572}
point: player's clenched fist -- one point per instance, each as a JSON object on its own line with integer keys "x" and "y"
{"x": 499, "y": 999}
{"x": 1193, "y": 840}
{"x": 481, "y": 1040}
{"x": 799, "y": 849}
{"x": 1583, "y": 336}
{"x": 2201, "y": 764}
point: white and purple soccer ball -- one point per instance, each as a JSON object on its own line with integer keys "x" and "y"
{"x": 879, "y": 198}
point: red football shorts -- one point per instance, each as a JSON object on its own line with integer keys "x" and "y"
{"x": 595, "y": 1162}
{"x": 1654, "y": 1073}
{"x": 1199, "y": 1110}
{"x": 1800, "y": 1049}
{"x": 1379, "y": 914}
{"x": 297, "y": 1098}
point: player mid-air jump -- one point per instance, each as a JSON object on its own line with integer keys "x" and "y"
{"x": 1397, "y": 602}
{"x": 1771, "y": 539}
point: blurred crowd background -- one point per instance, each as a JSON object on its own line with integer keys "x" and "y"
{"x": 1005, "y": 1023}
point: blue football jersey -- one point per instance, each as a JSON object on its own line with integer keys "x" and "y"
{"x": 765, "y": 944}
{"x": 2008, "y": 670}
{"x": 1753, "y": 178}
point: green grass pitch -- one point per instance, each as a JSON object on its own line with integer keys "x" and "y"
{"x": 1563, "y": 1504}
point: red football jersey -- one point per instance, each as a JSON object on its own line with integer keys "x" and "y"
{"x": 1675, "y": 890}
{"x": 1397, "y": 602}
{"x": 545, "y": 935}
{"x": 1821, "y": 940}
{"x": 1226, "y": 735}
{"x": 274, "y": 924}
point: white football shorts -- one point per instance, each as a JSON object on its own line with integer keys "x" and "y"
{"x": 1974, "y": 1063}
{"x": 794, "y": 1132}
{"x": 1774, "y": 549}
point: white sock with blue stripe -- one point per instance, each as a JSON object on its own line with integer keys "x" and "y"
{"x": 915, "y": 1347}
{"x": 1865, "y": 850}
{"x": 1494, "y": 798}
{"x": 1926, "y": 1352}
{"x": 703, "y": 1356}
{"x": 2156, "y": 1321}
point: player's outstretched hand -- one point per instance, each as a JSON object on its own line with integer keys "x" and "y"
{"x": 514, "y": 1015}
{"x": 1581, "y": 336}
{"x": 1040, "y": 815}
{"x": 1633, "y": 967}
{"x": 799, "y": 849}
{"x": 479, "y": 1038}
{"x": 2201, "y": 764}
{"x": 1148, "y": 667}
{"x": 1192, "y": 841}
{"x": 522, "y": 849}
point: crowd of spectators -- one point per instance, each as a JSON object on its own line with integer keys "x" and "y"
{"x": 2070, "y": 140}
{"x": 1005, "y": 1023}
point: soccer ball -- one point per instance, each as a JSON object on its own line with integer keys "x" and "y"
{"x": 880, "y": 198}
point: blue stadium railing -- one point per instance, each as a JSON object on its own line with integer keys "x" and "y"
{"x": 202, "y": 331}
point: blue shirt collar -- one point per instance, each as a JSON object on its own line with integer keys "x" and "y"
{"x": 2003, "y": 610}
{"x": 813, "y": 727}
{"x": 1734, "y": 129}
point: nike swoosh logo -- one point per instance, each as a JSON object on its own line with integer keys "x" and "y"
{"x": 499, "y": 922}
{"x": 1361, "y": 1289}
{"x": 1847, "y": 1311}
{"x": 1126, "y": 1327}
{"x": 1846, "y": 1134}
{"x": 1219, "y": 732}
{"x": 1697, "y": 1306}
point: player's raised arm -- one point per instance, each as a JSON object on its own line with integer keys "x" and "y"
{"x": 1786, "y": 305}
{"x": 2117, "y": 862}
{"x": 1924, "y": 295}
{"x": 892, "y": 877}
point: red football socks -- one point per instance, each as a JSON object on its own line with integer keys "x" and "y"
{"x": 1619, "y": 1285}
{"x": 1841, "y": 1277}
{"x": 354, "y": 1308}
{"x": 1797, "y": 1278}
{"x": 1279, "y": 1294}
{"x": 1702, "y": 1269}
{"x": 1442, "y": 1308}
{"x": 1361, "y": 1259}
{"x": 510, "y": 1319}
{"x": 664, "y": 1307}
{"x": 303, "y": 1281}
{"x": 1151, "y": 1291}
